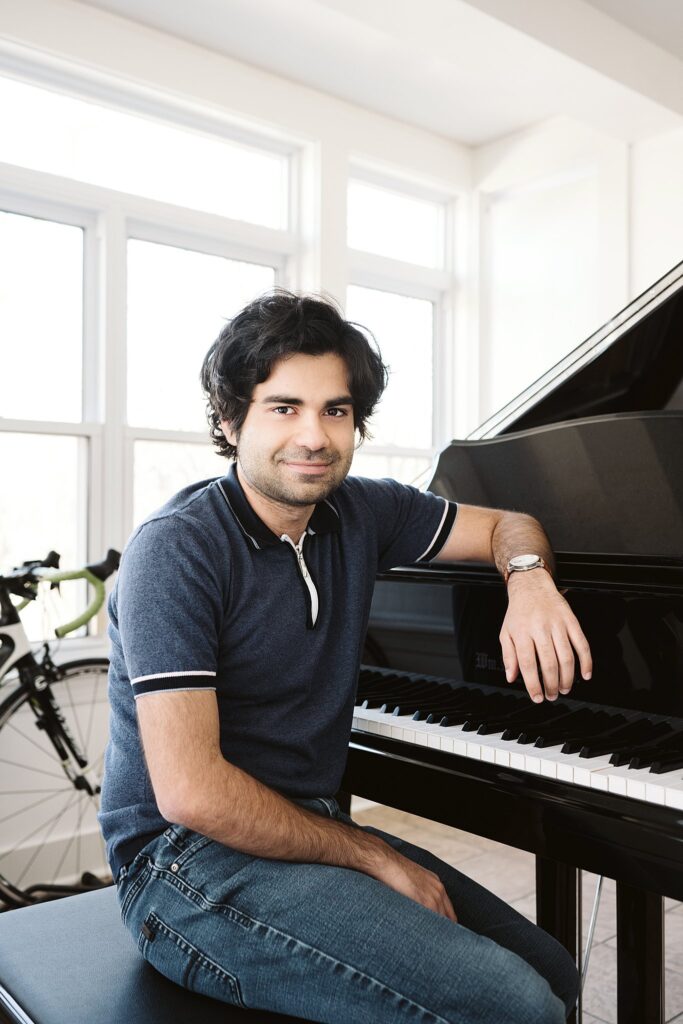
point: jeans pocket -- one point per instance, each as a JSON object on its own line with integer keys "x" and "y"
{"x": 172, "y": 955}
{"x": 177, "y": 846}
{"x": 131, "y": 883}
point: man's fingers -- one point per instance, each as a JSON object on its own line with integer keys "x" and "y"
{"x": 445, "y": 905}
{"x": 509, "y": 657}
{"x": 547, "y": 658}
{"x": 565, "y": 660}
{"x": 526, "y": 656}
{"x": 580, "y": 645}
{"x": 449, "y": 911}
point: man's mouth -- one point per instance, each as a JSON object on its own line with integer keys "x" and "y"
{"x": 308, "y": 468}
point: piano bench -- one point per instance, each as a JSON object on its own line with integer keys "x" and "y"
{"x": 71, "y": 961}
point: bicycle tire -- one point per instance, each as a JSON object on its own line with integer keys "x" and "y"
{"x": 50, "y": 835}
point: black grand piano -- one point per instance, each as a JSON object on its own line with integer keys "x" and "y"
{"x": 594, "y": 781}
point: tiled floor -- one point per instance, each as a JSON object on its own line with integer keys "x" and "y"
{"x": 511, "y": 875}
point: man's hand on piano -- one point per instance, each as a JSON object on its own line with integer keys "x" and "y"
{"x": 541, "y": 631}
{"x": 412, "y": 880}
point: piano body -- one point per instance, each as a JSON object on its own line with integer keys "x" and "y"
{"x": 594, "y": 781}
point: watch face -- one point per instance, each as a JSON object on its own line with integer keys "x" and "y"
{"x": 524, "y": 561}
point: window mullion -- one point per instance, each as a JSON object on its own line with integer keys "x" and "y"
{"x": 114, "y": 484}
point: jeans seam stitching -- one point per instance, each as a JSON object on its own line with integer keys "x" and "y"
{"x": 134, "y": 890}
{"x": 334, "y": 960}
{"x": 200, "y": 959}
{"x": 231, "y": 911}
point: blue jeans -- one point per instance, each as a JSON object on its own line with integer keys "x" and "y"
{"x": 334, "y": 945}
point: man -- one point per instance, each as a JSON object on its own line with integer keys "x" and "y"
{"x": 237, "y": 626}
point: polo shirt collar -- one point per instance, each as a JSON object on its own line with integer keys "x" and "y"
{"x": 325, "y": 517}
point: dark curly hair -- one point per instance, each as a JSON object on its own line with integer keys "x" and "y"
{"x": 272, "y": 327}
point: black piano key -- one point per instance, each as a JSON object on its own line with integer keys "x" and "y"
{"x": 398, "y": 686}
{"x": 420, "y": 707}
{"x": 511, "y": 718}
{"x": 534, "y": 727}
{"x": 527, "y": 717}
{"x": 672, "y": 763}
{"x": 656, "y": 740}
{"x": 394, "y": 695}
{"x": 457, "y": 710}
{"x": 386, "y": 683}
{"x": 647, "y": 756}
{"x": 572, "y": 724}
{"x": 616, "y": 739}
{"x": 573, "y": 744}
{"x": 455, "y": 697}
{"x": 492, "y": 714}
{"x": 578, "y": 718}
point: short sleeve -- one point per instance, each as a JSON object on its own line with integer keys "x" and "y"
{"x": 169, "y": 604}
{"x": 412, "y": 526}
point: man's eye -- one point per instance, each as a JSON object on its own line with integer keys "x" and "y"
{"x": 283, "y": 409}
{"x": 336, "y": 413}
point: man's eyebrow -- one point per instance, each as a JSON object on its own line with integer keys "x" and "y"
{"x": 284, "y": 400}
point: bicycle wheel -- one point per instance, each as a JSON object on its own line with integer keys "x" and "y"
{"x": 50, "y": 836}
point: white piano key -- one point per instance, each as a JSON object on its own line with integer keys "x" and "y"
{"x": 666, "y": 789}
{"x": 549, "y": 762}
{"x": 626, "y": 781}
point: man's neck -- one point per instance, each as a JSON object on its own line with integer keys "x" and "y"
{"x": 291, "y": 520}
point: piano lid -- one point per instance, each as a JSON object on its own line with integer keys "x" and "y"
{"x": 594, "y": 448}
{"x": 610, "y": 485}
{"x": 633, "y": 363}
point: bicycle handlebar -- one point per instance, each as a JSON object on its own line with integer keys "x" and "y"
{"x": 30, "y": 574}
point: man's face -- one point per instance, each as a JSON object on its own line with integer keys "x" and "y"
{"x": 296, "y": 444}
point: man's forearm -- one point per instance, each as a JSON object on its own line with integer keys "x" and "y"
{"x": 236, "y": 809}
{"x": 518, "y": 534}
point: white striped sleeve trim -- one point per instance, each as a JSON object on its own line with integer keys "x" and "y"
{"x": 442, "y": 531}
{"x": 170, "y": 675}
{"x": 167, "y": 681}
{"x": 176, "y": 689}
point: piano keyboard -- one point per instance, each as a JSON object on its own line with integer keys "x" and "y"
{"x": 624, "y": 752}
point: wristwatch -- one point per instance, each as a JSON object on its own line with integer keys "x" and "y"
{"x": 524, "y": 563}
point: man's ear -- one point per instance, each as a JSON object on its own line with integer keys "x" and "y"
{"x": 230, "y": 434}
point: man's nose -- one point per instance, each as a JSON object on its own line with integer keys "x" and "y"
{"x": 311, "y": 433}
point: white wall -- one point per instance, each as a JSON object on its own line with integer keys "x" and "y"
{"x": 656, "y": 208}
{"x": 553, "y": 249}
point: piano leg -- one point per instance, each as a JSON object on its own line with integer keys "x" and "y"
{"x": 558, "y": 897}
{"x": 640, "y": 960}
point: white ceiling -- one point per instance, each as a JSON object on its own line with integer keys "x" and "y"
{"x": 660, "y": 21}
{"x": 472, "y": 70}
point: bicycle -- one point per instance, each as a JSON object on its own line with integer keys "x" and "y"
{"x": 51, "y": 746}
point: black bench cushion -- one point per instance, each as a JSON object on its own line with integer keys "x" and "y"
{"x": 71, "y": 961}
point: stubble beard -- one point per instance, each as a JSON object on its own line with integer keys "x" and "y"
{"x": 264, "y": 476}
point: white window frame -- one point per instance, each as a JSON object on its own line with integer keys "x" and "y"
{"x": 437, "y": 285}
{"x": 109, "y": 218}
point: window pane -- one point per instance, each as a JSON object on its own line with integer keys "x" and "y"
{"x": 394, "y": 224}
{"x": 408, "y": 469}
{"x": 178, "y": 302}
{"x": 404, "y": 330}
{"x": 42, "y": 472}
{"x": 164, "y": 467}
{"x": 80, "y": 139}
{"x": 41, "y": 319}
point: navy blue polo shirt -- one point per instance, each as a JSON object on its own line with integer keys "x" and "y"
{"x": 208, "y": 598}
